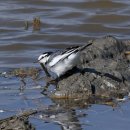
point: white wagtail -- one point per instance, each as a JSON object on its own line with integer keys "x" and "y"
{"x": 60, "y": 62}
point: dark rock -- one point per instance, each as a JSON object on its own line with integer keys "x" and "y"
{"x": 103, "y": 70}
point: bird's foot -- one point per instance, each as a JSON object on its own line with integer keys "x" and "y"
{"x": 44, "y": 91}
{"x": 48, "y": 82}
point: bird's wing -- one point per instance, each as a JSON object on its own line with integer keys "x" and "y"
{"x": 62, "y": 56}
{"x": 66, "y": 53}
{"x": 70, "y": 49}
{"x": 85, "y": 46}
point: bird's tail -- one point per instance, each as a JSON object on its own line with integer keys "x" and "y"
{"x": 83, "y": 47}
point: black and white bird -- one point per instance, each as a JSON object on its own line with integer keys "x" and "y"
{"x": 60, "y": 62}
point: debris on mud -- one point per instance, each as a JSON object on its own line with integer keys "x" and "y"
{"x": 18, "y": 122}
{"x": 22, "y": 74}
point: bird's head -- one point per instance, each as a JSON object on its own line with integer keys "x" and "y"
{"x": 44, "y": 57}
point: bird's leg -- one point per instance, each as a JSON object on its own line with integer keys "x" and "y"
{"x": 54, "y": 81}
{"x": 48, "y": 80}
{"x": 45, "y": 88}
{"x": 46, "y": 71}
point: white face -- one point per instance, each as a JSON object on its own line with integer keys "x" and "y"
{"x": 43, "y": 58}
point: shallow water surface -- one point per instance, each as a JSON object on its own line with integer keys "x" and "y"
{"x": 63, "y": 23}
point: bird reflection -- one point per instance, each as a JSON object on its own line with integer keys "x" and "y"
{"x": 64, "y": 112}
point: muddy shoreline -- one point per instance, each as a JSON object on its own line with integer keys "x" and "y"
{"x": 103, "y": 75}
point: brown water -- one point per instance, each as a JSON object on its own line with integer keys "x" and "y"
{"x": 64, "y": 23}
